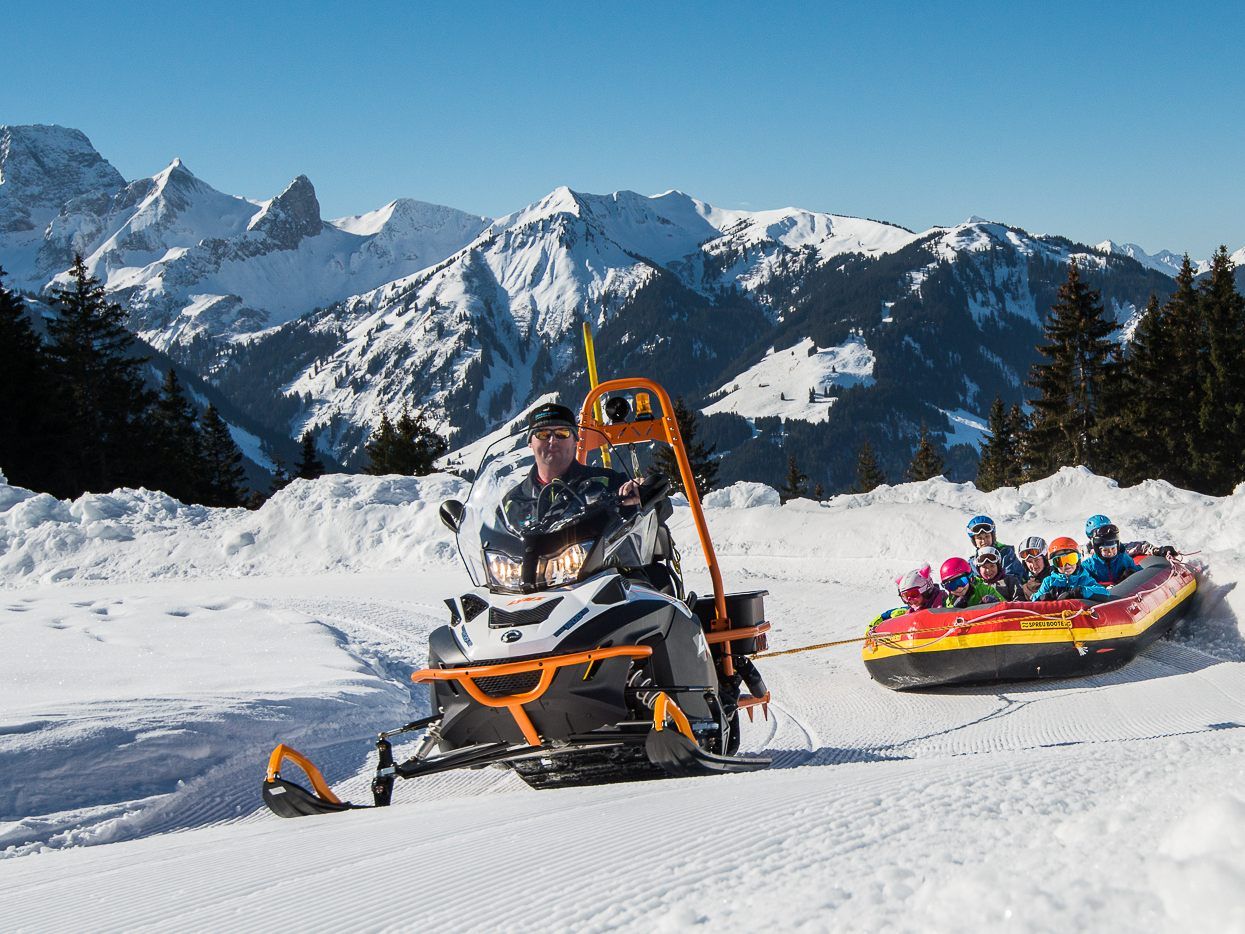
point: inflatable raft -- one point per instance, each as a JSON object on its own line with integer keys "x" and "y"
{"x": 1023, "y": 641}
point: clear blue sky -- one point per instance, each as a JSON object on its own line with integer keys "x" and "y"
{"x": 1088, "y": 120}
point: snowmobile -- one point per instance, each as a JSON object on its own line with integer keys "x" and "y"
{"x": 578, "y": 658}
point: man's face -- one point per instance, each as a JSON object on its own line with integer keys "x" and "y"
{"x": 554, "y": 449}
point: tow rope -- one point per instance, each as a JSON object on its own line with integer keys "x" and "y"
{"x": 889, "y": 640}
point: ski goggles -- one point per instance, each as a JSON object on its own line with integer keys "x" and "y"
{"x": 959, "y": 582}
{"x": 986, "y": 559}
{"x": 912, "y": 596}
{"x": 1112, "y": 546}
{"x": 1027, "y": 553}
{"x": 980, "y": 527}
{"x": 1065, "y": 560}
{"x": 545, "y": 434}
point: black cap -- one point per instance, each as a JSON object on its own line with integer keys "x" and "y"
{"x": 550, "y": 415}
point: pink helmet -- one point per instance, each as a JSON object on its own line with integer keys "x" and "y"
{"x": 915, "y": 585}
{"x": 954, "y": 567}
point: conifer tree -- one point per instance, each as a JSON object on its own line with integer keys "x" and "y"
{"x": 1018, "y": 460}
{"x": 309, "y": 467}
{"x": 700, "y": 458}
{"x": 1219, "y": 453}
{"x": 1073, "y": 382}
{"x": 996, "y": 454}
{"x": 926, "y": 461}
{"x": 102, "y": 391}
{"x": 280, "y": 477}
{"x": 819, "y": 492}
{"x": 25, "y": 391}
{"x": 380, "y": 450}
{"x": 224, "y": 475}
{"x": 796, "y": 483}
{"x": 177, "y": 465}
{"x": 869, "y": 475}
{"x": 416, "y": 446}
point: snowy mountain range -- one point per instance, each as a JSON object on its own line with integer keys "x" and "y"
{"x": 313, "y": 323}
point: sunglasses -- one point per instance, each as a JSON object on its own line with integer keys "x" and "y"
{"x": 958, "y": 583}
{"x": 1068, "y": 559}
{"x": 978, "y": 529}
{"x": 1030, "y": 553}
{"x": 544, "y": 434}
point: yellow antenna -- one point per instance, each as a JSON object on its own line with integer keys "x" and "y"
{"x": 592, "y": 379}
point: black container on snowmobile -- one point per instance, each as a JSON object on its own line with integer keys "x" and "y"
{"x": 578, "y": 658}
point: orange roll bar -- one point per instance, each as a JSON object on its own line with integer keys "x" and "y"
{"x": 665, "y": 429}
{"x": 547, "y": 666}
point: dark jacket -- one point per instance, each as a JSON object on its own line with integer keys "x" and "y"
{"x": 1011, "y": 561}
{"x": 532, "y": 501}
{"x": 1008, "y": 587}
{"x": 980, "y": 592}
{"x": 1080, "y": 584}
{"x": 1031, "y": 582}
{"x": 1109, "y": 571}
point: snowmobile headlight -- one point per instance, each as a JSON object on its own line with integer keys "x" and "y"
{"x": 503, "y": 570}
{"x": 566, "y": 564}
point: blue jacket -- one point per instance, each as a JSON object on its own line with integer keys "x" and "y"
{"x": 1011, "y": 562}
{"x": 1078, "y": 581}
{"x": 1110, "y": 571}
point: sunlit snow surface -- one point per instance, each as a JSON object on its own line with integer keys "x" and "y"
{"x": 154, "y": 652}
{"x": 779, "y": 384}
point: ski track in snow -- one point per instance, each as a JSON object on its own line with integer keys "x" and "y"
{"x": 135, "y": 728}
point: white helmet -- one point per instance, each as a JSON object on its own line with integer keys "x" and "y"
{"x": 914, "y": 581}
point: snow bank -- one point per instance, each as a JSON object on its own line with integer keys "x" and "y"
{"x": 742, "y": 495}
{"x": 339, "y": 522}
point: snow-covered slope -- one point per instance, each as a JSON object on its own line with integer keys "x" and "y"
{"x": 1165, "y": 261}
{"x": 188, "y": 260}
{"x": 1112, "y": 802}
{"x": 780, "y": 384}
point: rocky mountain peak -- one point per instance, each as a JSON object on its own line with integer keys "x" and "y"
{"x": 42, "y": 167}
{"x": 291, "y": 215}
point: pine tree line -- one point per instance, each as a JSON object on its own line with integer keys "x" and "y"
{"x": 1169, "y": 404}
{"x": 76, "y": 415}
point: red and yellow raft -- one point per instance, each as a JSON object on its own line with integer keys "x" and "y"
{"x": 1023, "y": 641}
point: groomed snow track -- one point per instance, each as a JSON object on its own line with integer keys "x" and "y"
{"x": 1109, "y": 803}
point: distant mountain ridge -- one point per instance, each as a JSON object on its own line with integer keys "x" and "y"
{"x": 323, "y": 324}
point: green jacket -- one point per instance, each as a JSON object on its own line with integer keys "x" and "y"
{"x": 979, "y": 593}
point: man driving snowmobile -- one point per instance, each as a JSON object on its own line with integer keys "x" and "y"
{"x": 557, "y": 478}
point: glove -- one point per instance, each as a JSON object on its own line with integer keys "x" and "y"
{"x": 1031, "y": 587}
{"x": 1067, "y": 593}
{"x": 1166, "y": 551}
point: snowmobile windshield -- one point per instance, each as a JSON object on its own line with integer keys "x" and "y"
{"x": 520, "y": 534}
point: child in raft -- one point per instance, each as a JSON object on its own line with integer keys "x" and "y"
{"x": 917, "y": 590}
{"x": 1106, "y": 561}
{"x": 1032, "y": 553}
{"x": 1068, "y": 580}
{"x": 989, "y": 565}
{"x": 963, "y": 587}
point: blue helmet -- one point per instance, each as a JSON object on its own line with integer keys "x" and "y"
{"x": 1094, "y": 523}
{"x": 980, "y": 524}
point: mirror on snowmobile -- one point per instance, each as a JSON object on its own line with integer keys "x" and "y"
{"x": 452, "y": 514}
